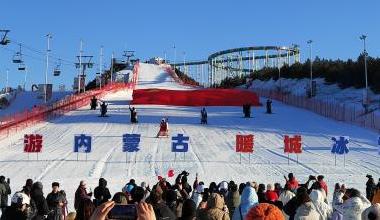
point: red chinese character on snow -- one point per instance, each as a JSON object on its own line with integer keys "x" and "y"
{"x": 293, "y": 144}
{"x": 32, "y": 143}
{"x": 244, "y": 143}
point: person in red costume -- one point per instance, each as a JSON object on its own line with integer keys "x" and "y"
{"x": 164, "y": 128}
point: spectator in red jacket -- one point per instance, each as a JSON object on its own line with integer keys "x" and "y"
{"x": 271, "y": 194}
{"x": 322, "y": 182}
{"x": 292, "y": 182}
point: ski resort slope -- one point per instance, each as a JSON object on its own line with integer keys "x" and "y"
{"x": 211, "y": 147}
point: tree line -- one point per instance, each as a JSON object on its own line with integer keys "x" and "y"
{"x": 349, "y": 73}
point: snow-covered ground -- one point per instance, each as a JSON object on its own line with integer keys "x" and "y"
{"x": 211, "y": 152}
{"x": 26, "y": 100}
{"x": 349, "y": 96}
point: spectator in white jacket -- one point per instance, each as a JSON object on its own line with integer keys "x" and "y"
{"x": 318, "y": 200}
{"x": 285, "y": 196}
{"x": 353, "y": 206}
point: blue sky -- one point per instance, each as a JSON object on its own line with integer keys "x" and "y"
{"x": 196, "y": 27}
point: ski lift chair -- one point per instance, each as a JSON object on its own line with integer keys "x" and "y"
{"x": 21, "y": 66}
{"x": 17, "y": 58}
{"x": 57, "y": 71}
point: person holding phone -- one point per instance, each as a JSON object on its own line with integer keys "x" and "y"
{"x": 144, "y": 211}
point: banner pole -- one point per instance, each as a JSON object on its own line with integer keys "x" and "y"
{"x": 335, "y": 159}
{"x": 288, "y": 159}
{"x": 240, "y": 158}
{"x": 344, "y": 159}
{"x": 184, "y": 156}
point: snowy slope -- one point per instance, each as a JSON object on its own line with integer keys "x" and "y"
{"x": 211, "y": 152}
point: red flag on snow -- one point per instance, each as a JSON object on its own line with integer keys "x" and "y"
{"x": 170, "y": 173}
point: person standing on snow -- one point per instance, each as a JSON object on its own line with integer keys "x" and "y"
{"x": 203, "y": 116}
{"x": 164, "y": 128}
{"x": 269, "y": 106}
{"x": 103, "y": 109}
{"x": 133, "y": 114}
{"x": 94, "y": 103}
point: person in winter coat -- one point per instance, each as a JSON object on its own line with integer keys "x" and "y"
{"x": 161, "y": 210}
{"x": 188, "y": 210}
{"x": 101, "y": 192}
{"x": 164, "y": 128}
{"x": 37, "y": 196}
{"x": 324, "y": 210}
{"x": 94, "y": 103}
{"x": 56, "y": 202}
{"x": 18, "y": 209}
{"x": 270, "y": 194}
{"x": 337, "y": 200}
{"x": 322, "y": 182}
{"x": 248, "y": 199}
{"x": 216, "y": 209}
{"x": 292, "y": 182}
{"x": 370, "y": 187}
{"x": 353, "y": 206}
{"x": 285, "y": 196}
{"x": 203, "y": 116}
{"x": 292, "y": 205}
{"x": 81, "y": 194}
{"x": 85, "y": 209}
{"x": 306, "y": 209}
{"x": 269, "y": 106}
{"x": 372, "y": 213}
{"x": 376, "y": 195}
{"x": 198, "y": 194}
{"x": 261, "y": 193}
{"x": 103, "y": 109}
{"x": 233, "y": 199}
{"x": 265, "y": 211}
{"x": 5, "y": 190}
{"x": 133, "y": 114}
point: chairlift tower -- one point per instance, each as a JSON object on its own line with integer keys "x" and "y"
{"x": 84, "y": 62}
{"x": 128, "y": 54}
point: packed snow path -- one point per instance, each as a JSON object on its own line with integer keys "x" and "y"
{"x": 212, "y": 147}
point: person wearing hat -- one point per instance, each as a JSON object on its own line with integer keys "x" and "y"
{"x": 18, "y": 209}
{"x": 56, "y": 202}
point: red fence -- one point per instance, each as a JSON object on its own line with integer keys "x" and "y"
{"x": 21, "y": 120}
{"x": 330, "y": 109}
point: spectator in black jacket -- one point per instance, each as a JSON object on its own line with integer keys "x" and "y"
{"x": 5, "y": 190}
{"x": 56, "y": 202}
{"x": 101, "y": 193}
{"x": 37, "y": 196}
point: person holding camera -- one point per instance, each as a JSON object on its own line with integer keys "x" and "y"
{"x": 5, "y": 190}
{"x": 56, "y": 201}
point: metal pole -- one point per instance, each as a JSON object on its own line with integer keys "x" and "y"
{"x": 184, "y": 62}
{"x": 26, "y": 74}
{"x": 47, "y": 64}
{"x": 310, "y": 42}
{"x": 101, "y": 65}
{"x": 175, "y": 56}
{"x": 80, "y": 65}
{"x": 112, "y": 67}
{"x": 363, "y": 37}
{"x": 7, "y": 82}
